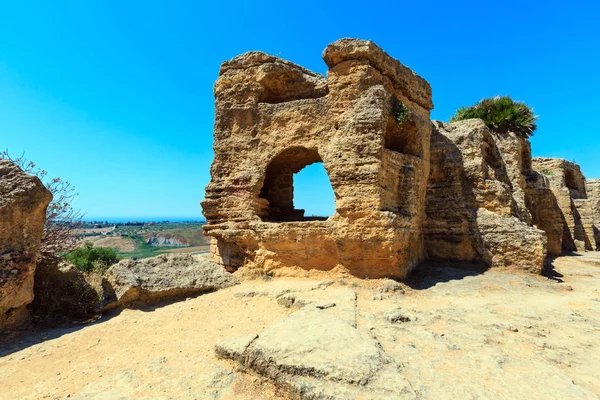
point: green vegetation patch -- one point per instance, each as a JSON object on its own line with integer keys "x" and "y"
{"x": 399, "y": 111}
{"x": 501, "y": 114}
{"x": 89, "y": 258}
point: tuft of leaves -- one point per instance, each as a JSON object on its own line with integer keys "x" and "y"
{"x": 89, "y": 258}
{"x": 399, "y": 111}
{"x": 501, "y": 114}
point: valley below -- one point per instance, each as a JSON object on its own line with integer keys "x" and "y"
{"x": 146, "y": 239}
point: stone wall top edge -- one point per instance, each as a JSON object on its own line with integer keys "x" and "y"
{"x": 256, "y": 58}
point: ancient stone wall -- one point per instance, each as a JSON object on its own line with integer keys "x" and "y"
{"x": 23, "y": 202}
{"x": 568, "y": 185}
{"x": 516, "y": 156}
{"x": 545, "y": 212}
{"x": 593, "y": 194}
{"x": 473, "y": 212}
{"x": 402, "y": 193}
{"x": 273, "y": 118}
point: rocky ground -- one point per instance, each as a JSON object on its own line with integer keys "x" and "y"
{"x": 446, "y": 333}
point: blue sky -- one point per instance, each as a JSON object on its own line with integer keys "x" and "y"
{"x": 116, "y": 96}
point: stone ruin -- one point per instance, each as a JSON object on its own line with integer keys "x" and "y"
{"x": 406, "y": 189}
{"x": 273, "y": 118}
{"x": 475, "y": 206}
{"x": 568, "y": 186}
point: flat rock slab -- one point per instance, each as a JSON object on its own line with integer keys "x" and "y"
{"x": 235, "y": 348}
{"x": 163, "y": 277}
{"x": 276, "y": 288}
{"x": 311, "y": 342}
{"x": 316, "y": 355}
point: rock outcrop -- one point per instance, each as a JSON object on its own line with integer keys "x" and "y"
{"x": 368, "y": 122}
{"x": 318, "y": 352}
{"x": 474, "y": 214}
{"x": 162, "y": 277}
{"x": 158, "y": 240}
{"x": 568, "y": 185}
{"x": 23, "y": 203}
{"x": 402, "y": 193}
{"x": 545, "y": 212}
{"x": 593, "y": 193}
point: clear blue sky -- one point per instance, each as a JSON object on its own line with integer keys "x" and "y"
{"x": 116, "y": 96}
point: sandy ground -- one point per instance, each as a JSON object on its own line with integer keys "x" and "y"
{"x": 470, "y": 332}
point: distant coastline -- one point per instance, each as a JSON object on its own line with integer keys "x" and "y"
{"x": 143, "y": 219}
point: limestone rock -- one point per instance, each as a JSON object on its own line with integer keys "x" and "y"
{"x": 509, "y": 242}
{"x": 23, "y": 203}
{"x": 163, "y": 277}
{"x": 312, "y": 343}
{"x": 472, "y": 213}
{"x": 568, "y": 185}
{"x": 368, "y": 122}
{"x": 515, "y": 152}
{"x": 315, "y": 355}
{"x": 387, "y": 290}
{"x": 338, "y": 302}
{"x": 545, "y": 212}
{"x": 593, "y": 193}
{"x": 235, "y": 348}
{"x": 281, "y": 287}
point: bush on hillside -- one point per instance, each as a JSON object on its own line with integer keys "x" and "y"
{"x": 501, "y": 114}
{"x": 89, "y": 258}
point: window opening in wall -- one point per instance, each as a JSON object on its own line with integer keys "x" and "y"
{"x": 297, "y": 187}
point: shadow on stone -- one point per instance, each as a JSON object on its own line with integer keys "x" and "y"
{"x": 430, "y": 274}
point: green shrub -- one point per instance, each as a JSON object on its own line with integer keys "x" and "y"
{"x": 501, "y": 114}
{"x": 399, "y": 111}
{"x": 89, "y": 258}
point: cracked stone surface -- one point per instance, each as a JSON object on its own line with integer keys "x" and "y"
{"x": 452, "y": 334}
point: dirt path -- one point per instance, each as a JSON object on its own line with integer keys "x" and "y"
{"x": 465, "y": 335}
{"x": 169, "y": 347}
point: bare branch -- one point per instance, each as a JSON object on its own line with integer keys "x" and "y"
{"x": 62, "y": 221}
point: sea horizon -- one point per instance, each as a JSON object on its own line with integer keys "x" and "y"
{"x": 143, "y": 219}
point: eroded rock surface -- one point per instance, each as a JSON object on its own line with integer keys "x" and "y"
{"x": 472, "y": 213}
{"x": 545, "y": 212}
{"x": 593, "y": 190}
{"x": 163, "y": 277}
{"x": 318, "y": 352}
{"x": 23, "y": 203}
{"x": 368, "y": 122}
{"x": 569, "y": 188}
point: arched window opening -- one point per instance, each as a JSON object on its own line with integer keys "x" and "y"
{"x": 285, "y": 189}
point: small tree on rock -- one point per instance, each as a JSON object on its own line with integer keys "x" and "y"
{"x": 501, "y": 114}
